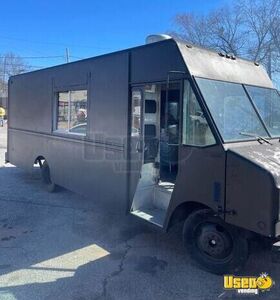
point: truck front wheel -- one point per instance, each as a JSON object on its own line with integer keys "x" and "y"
{"x": 216, "y": 246}
{"x": 46, "y": 177}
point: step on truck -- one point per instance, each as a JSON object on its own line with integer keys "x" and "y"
{"x": 167, "y": 132}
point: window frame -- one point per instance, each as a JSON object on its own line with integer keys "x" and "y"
{"x": 250, "y": 100}
{"x": 138, "y": 89}
{"x": 271, "y": 136}
{"x": 201, "y": 102}
{"x": 56, "y": 112}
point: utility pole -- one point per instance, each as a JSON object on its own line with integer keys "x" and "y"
{"x": 67, "y": 55}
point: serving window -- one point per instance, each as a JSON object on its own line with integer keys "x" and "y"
{"x": 71, "y": 112}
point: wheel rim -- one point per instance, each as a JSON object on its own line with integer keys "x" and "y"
{"x": 214, "y": 241}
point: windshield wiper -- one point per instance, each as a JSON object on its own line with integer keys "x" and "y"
{"x": 260, "y": 139}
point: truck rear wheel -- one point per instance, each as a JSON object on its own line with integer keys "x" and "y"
{"x": 51, "y": 187}
{"x": 216, "y": 246}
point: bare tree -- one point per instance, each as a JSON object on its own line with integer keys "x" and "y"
{"x": 10, "y": 64}
{"x": 262, "y": 19}
{"x": 228, "y": 32}
{"x": 221, "y": 30}
{"x": 249, "y": 28}
{"x": 193, "y": 28}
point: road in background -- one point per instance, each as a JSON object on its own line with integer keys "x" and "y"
{"x": 64, "y": 246}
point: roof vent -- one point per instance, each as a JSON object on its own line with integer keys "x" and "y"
{"x": 154, "y": 38}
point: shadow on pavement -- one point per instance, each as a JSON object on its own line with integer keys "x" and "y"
{"x": 64, "y": 246}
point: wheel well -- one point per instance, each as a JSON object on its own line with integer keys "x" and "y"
{"x": 183, "y": 210}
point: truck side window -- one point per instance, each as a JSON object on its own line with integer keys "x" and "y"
{"x": 72, "y": 112}
{"x": 196, "y": 131}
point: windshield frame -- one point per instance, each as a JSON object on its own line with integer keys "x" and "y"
{"x": 246, "y": 86}
{"x": 268, "y": 136}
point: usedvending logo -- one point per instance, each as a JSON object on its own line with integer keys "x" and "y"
{"x": 248, "y": 284}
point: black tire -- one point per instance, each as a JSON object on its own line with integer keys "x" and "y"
{"x": 50, "y": 186}
{"x": 214, "y": 245}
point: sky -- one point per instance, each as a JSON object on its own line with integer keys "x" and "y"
{"x": 36, "y": 28}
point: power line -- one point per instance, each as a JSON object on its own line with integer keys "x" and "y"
{"x": 77, "y": 57}
{"x": 55, "y": 43}
{"x": 14, "y": 64}
{"x": 30, "y": 67}
{"x": 40, "y": 57}
{"x": 34, "y": 57}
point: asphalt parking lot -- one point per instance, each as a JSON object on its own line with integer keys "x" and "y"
{"x": 63, "y": 246}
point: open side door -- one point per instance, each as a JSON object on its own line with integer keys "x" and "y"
{"x": 152, "y": 161}
{"x": 136, "y": 139}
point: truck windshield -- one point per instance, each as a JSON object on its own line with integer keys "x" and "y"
{"x": 231, "y": 109}
{"x": 267, "y": 102}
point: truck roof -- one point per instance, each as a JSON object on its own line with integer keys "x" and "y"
{"x": 202, "y": 62}
{"x": 206, "y": 63}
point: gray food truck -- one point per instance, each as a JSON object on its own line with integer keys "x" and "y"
{"x": 167, "y": 132}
